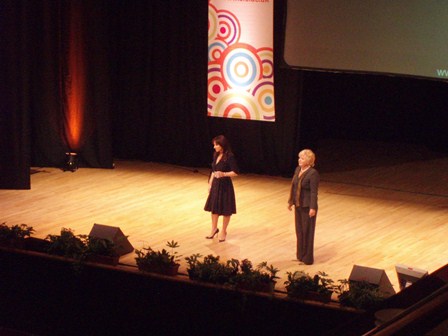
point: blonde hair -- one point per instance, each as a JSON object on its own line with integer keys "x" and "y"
{"x": 309, "y": 155}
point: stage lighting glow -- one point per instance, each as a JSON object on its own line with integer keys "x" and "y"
{"x": 76, "y": 82}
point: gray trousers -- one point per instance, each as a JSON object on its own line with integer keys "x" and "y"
{"x": 305, "y": 227}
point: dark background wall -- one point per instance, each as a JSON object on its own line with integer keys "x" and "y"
{"x": 146, "y": 84}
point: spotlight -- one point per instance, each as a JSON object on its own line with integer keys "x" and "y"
{"x": 71, "y": 162}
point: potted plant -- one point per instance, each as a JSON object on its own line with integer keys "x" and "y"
{"x": 37, "y": 244}
{"x": 161, "y": 262}
{"x": 66, "y": 244}
{"x": 301, "y": 285}
{"x": 82, "y": 247}
{"x": 193, "y": 266}
{"x": 261, "y": 279}
{"x": 359, "y": 294}
{"x": 15, "y": 235}
{"x": 211, "y": 269}
{"x": 100, "y": 250}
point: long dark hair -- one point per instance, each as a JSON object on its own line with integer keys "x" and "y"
{"x": 225, "y": 144}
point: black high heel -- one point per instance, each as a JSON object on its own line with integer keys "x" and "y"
{"x": 213, "y": 235}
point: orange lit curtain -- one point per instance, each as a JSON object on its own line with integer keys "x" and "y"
{"x": 146, "y": 87}
{"x": 241, "y": 59}
{"x": 72, "y": 83}
{"x": 74, "y": 88}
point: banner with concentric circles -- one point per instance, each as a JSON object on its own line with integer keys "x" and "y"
{"x": 241, "y": 59}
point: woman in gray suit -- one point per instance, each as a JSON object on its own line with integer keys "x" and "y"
{"x": 303, "y": 197}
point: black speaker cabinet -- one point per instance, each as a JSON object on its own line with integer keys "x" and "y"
{"x": 122, "y": 245}
{"x": 375, "y": 276}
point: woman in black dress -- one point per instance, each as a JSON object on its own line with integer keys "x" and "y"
{"x": 221, "y": 195}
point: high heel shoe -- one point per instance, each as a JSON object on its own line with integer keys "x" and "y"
{"x": 221, "y": 240}
{"x": 213, "y": 235}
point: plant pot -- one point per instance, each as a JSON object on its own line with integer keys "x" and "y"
{"x": 37, "y": 244}
{"x": 18, "y": 243}
{"x": 170, "y": 270}
{"x": 192, "y": 274}
{"x": 103, "y": 259}
{"x": 312, "y": 296}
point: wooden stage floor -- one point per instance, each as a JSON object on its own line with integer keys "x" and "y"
{"x": 372, "y": 212}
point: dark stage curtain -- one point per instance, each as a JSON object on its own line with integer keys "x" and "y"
{"x": 49, "y": 27}
{"x": 146, "y": 81}
{"x": 146, "y": 78}
{"x": 14, "y": 102}
{"x": 160, "y": 92}
{"x": 34, "y": 47}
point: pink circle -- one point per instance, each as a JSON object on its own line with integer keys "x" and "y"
{"x": 216, "y": 89}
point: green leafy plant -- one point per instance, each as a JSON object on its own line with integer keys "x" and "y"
{"x": 99, "y": 250}
{"x": 98, "y": 246}
{"x": 161, "y": 261}
{"x": 67, "y": 244}
{"x": 14, "y": 235}
{"x": 262, "y": 278}
{"x": 211, "y": 269}
{"x": 359, "y": 294}
{"x": 193, "y": 265}
{"x": 301, "y": 285}
{"x": 82, "y": 247}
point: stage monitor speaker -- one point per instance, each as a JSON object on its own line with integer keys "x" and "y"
{"x": 114, "y": 234}
{"x": 374, "y": 276}
{"x": 408, "y": 275}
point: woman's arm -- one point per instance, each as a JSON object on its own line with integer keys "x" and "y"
{"x": 314, "y": 186}
{"x": 220, "y": 174}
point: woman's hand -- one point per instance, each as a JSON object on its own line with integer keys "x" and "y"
{"x": 210, "y": 182}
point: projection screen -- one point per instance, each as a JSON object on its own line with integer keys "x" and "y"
{"x": 403, "y": 37}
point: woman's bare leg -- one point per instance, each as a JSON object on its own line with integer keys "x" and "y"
{"x": 225, "y": 224}
{"x": 215, "y": 218}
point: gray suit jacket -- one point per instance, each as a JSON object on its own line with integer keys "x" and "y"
{"x": 308, "y": 189}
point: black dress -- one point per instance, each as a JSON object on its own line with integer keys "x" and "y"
{"x": 221, "y": 199}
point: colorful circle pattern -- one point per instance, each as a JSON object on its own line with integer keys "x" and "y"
{"x": 240, "y": 76}
{"x": 241, "y": 66}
